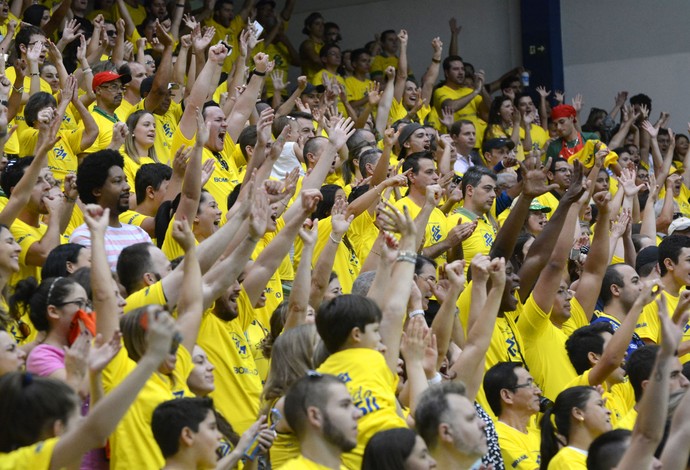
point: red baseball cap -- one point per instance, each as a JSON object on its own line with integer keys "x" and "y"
{"x": 104, "y": 77}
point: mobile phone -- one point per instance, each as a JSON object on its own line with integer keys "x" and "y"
{"x": 253, "y": 449}
{"x": 259, "y": 29}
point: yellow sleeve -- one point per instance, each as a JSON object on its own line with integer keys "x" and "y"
{"x": 648, "y": 324}
{"x": 151, "y": 295}
{"x": 26, "y": 236}
{"x": 34, "y": 457}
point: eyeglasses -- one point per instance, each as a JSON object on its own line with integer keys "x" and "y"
{"x": 80, "y": 303}
{"x": 113, "y": 87}
{"x": 111, "y": 33}
{"x": 529, "y": 384}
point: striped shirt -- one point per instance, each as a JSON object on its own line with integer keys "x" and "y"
{"x": 116, "y": 239}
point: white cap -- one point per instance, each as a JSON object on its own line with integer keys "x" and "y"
{"x": 681, "y": 223}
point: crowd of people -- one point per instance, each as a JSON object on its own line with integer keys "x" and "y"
{"x": 203, "y": 266}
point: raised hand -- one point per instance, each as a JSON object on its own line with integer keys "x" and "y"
{"x": 310, "y": 199}
{"x": 534, "y": 178}
{"x": 437, "y": 46}
{"x": 340, "y": 132}
{"x": 159, "y": 335}
{"x": 577, "y": 102}
{"x": 402, "y": 37}
{"x": 497, "y": 273}
{"x": 163, "y": 37}
{"x": 217, "y": 54}
{"x": 278, "y": 81}
{"x": 119, "y": 135}
{"x": 621, "y": 223}
{"x": 543, "y": 92}
{"x": 447, "y": 117}
{"x": 559, "y": 96}
{"x": 309, "y": 232}
{"x": 339, "y": 222}
{"x": 182, "y": 234}
{"x": 621, "y": 98}
{"x": 455, "y": 28}
{"x": 374, "y": 94}
{"x": 393, "y": 220}
{"x": 258, "y": 216}
{"x": 102, "y": 351}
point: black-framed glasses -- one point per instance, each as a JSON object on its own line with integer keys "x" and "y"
{"x": 80, "y": 303}
{"x": 529, "y": 384}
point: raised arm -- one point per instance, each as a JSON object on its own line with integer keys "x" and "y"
{"x": 159, "y": 87}
{"x": 598, "y": 258}
{"x": 534, "y": 184}
{"x": 653, "y": 407}
{"x": 431, "y": 75}
{"x": 103, "y": 418}
{"x": 191, "y": 185}
{"x": 21, "y": 193}
{"x": 201, "y": 89}
{"x": 340, "y": 222}
{"x": 337, "y": 136}
{"x": 614, "y": 352}
{"x": 225, "y": 273}
{"x": 189, "y": 306}
{"x": 246, "y": 102}
{"x": 301, "y": 285}
{"x": 470, "y": 365}
{"x": 395, "y": 305}
{"x": 442, "y": 325}
{"x": 270, "y": 258}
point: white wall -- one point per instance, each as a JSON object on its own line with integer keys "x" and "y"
{"x": 490, "y": 37}
{"x": 634, "y": 45}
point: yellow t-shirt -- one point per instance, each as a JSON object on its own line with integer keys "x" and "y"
{"x": 302, "y": 463}
{"x": 225, "y": 176}
{"x": 165, "y": 128}
{"x": 481, "y": 240}
{"x": 280, "y": 55}
{"x": 682, "y": 199}
{"x": 648, "y": 326}
{"x": 545, "y": 351}
{"x": 569, "y": 458}
{"x": 469, "y": 112}
{"x": 132, "y": 167}
{"x": 132, "y": 444}
{"x": 398, "y": 112}
{"x": 628, "y": 421}
{"x": 26, "y": 235}
{"x": 34, "y": 457}
{"x": 506, "y": 344}
{"x": 150, "y": 295}
{"x": 355, "y": 88}
{"x": 126, "y": 108}
{"x": 63, "y": 159}
{"x": 436, "y": 227}
{"x": 238, "y": 385}
{"x": 519, "y": 450}
{"x": 364, "y": 234}
{"x": 346, "y": 264}
{"x": 372, "y": 386}
{"x": 381, "y": 63}
{"x": 620, "y": 398}
{"x": 105, "y": 124}
{"x": 170, "y": 247}
{"x": 539, "y": 136}
{"x": 232, "y": 32}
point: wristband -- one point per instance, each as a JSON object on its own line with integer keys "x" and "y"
{"x": 4, "y": 102}
{"x": 18, "y": 90}
{"x": 35, "y": 74}
{"x": 436, "y": 61}
{"x": 337, "y": 242}
{"x": 415, "y": 313}
{"x": 260, "y": 74}
{"x": 407, "y": 257}
{"x": 436, "y": 379}
{"x": 86, "y": 70}
{"x": 70, "y": 199}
